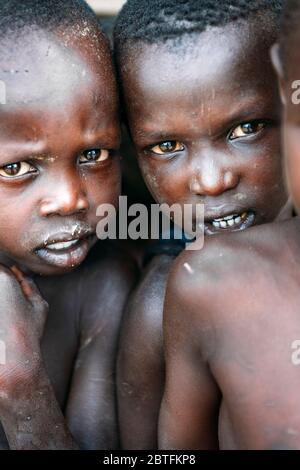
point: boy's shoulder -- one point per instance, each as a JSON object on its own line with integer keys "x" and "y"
{"x": 154, "y": 274}
{"x": 232, "y": 266}
{"x": 146, "y": 304}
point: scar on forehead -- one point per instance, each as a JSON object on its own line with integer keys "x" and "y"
{"x": 46, "y": 158}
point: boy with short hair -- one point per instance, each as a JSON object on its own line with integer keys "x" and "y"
{"x": 232, "y": 328}
{"x": 59, "y": 135}
{"x": 203, "y": 111}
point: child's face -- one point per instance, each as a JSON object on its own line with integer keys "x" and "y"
{"x": 59, "y": 136}
{"x": 204, "y": 119}
{"x": 289, "y": 79}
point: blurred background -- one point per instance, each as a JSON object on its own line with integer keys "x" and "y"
{"x": 107, "y": 11}
{"x": 106, "y": 7}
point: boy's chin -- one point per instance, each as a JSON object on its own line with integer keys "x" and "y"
{"x": 43, "y": 269}
{"x": 54, "y": 262}
{"x": 61, "y": 258}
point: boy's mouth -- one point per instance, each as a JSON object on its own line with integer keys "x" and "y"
{"x": 58, "y": 246}
{"x": 66, "y": 251}
{"x": 230, "y": 222}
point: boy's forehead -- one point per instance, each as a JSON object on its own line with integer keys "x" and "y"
{"x": 215, "y": 58}
{"x": 47, "y": 72}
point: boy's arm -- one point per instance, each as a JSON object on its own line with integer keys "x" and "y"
{"x": 190, "y": 407}
{"x": 140, "y": 374}
{"x": 34, "y": 420}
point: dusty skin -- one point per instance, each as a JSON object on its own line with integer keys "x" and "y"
{"x": 58, "y": 162}
{"x": 229, "y": 328}
{"x": 205, "y": 123}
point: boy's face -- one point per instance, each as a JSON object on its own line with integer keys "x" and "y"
{"x": 59, "y": 136}
{"x": 204, "y": 119}
{"x": 289, "y": 79}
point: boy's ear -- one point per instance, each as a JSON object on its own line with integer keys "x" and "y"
{"x": 277, "y": 64}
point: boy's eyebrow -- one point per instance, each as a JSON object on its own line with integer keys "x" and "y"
{"x": 253, "y": 107}
{"x": 105, "y": 136}
{"x": 154, "y": 135}
{"x": 38, "y": 149}
{"x": 22, "y": 151}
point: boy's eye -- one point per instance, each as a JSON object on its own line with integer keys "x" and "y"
{"x": 94, "y": 156}
{"x": 169, "y": 146}
{"x": 16, "y": 169}
{"x": 248, "y": 128}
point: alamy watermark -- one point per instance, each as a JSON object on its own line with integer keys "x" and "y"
{"x": 2, "y": 353}
{"x": 296, "y": 354}
{"x": 2, "y": 92}
{"x": 155, "y": 222}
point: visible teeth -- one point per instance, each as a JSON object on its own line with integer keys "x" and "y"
{"x": 229, "y": 220}
{"x": 230, "y": 217}
{"x": 62, "y": 245}
{"x": 226, "y": 218}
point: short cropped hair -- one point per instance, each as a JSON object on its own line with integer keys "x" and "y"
{"x": 155, "y": 21}
{"x": 17, "y": 17}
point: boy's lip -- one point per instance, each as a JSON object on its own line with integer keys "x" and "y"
{"x": 80, "y": 232}
{"x": 66, "y": 250}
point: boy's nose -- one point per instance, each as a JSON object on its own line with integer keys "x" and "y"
{"x": 66, "y": 199}
{"x": 211, "y": 179}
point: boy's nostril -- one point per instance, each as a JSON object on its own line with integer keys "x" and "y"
{"x": 63, "y": 207}
{"x": 230, "y": 179}
{"x": 195, "y": 186}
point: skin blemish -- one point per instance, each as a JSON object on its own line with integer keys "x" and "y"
{"x": 45, "y": 158}
{"x": 240, "y": 197}
{"x": 188, "y": 268}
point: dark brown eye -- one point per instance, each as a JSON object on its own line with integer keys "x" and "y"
{"x": 248, "y": 128}
{"x": 169, "y": 146}
{"x": 16, "y": 169}
{"x": 94, "y": 156}
{"x": 12, "y": 169}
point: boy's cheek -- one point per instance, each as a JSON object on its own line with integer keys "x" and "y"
{"x": 104, "y": 191}
{"x": 166, "y": 179}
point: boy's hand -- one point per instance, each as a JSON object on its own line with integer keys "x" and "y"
{"x": 22, "y": 320}
{"x": 29, "y": 412}
{"x": 37, "y": 306}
